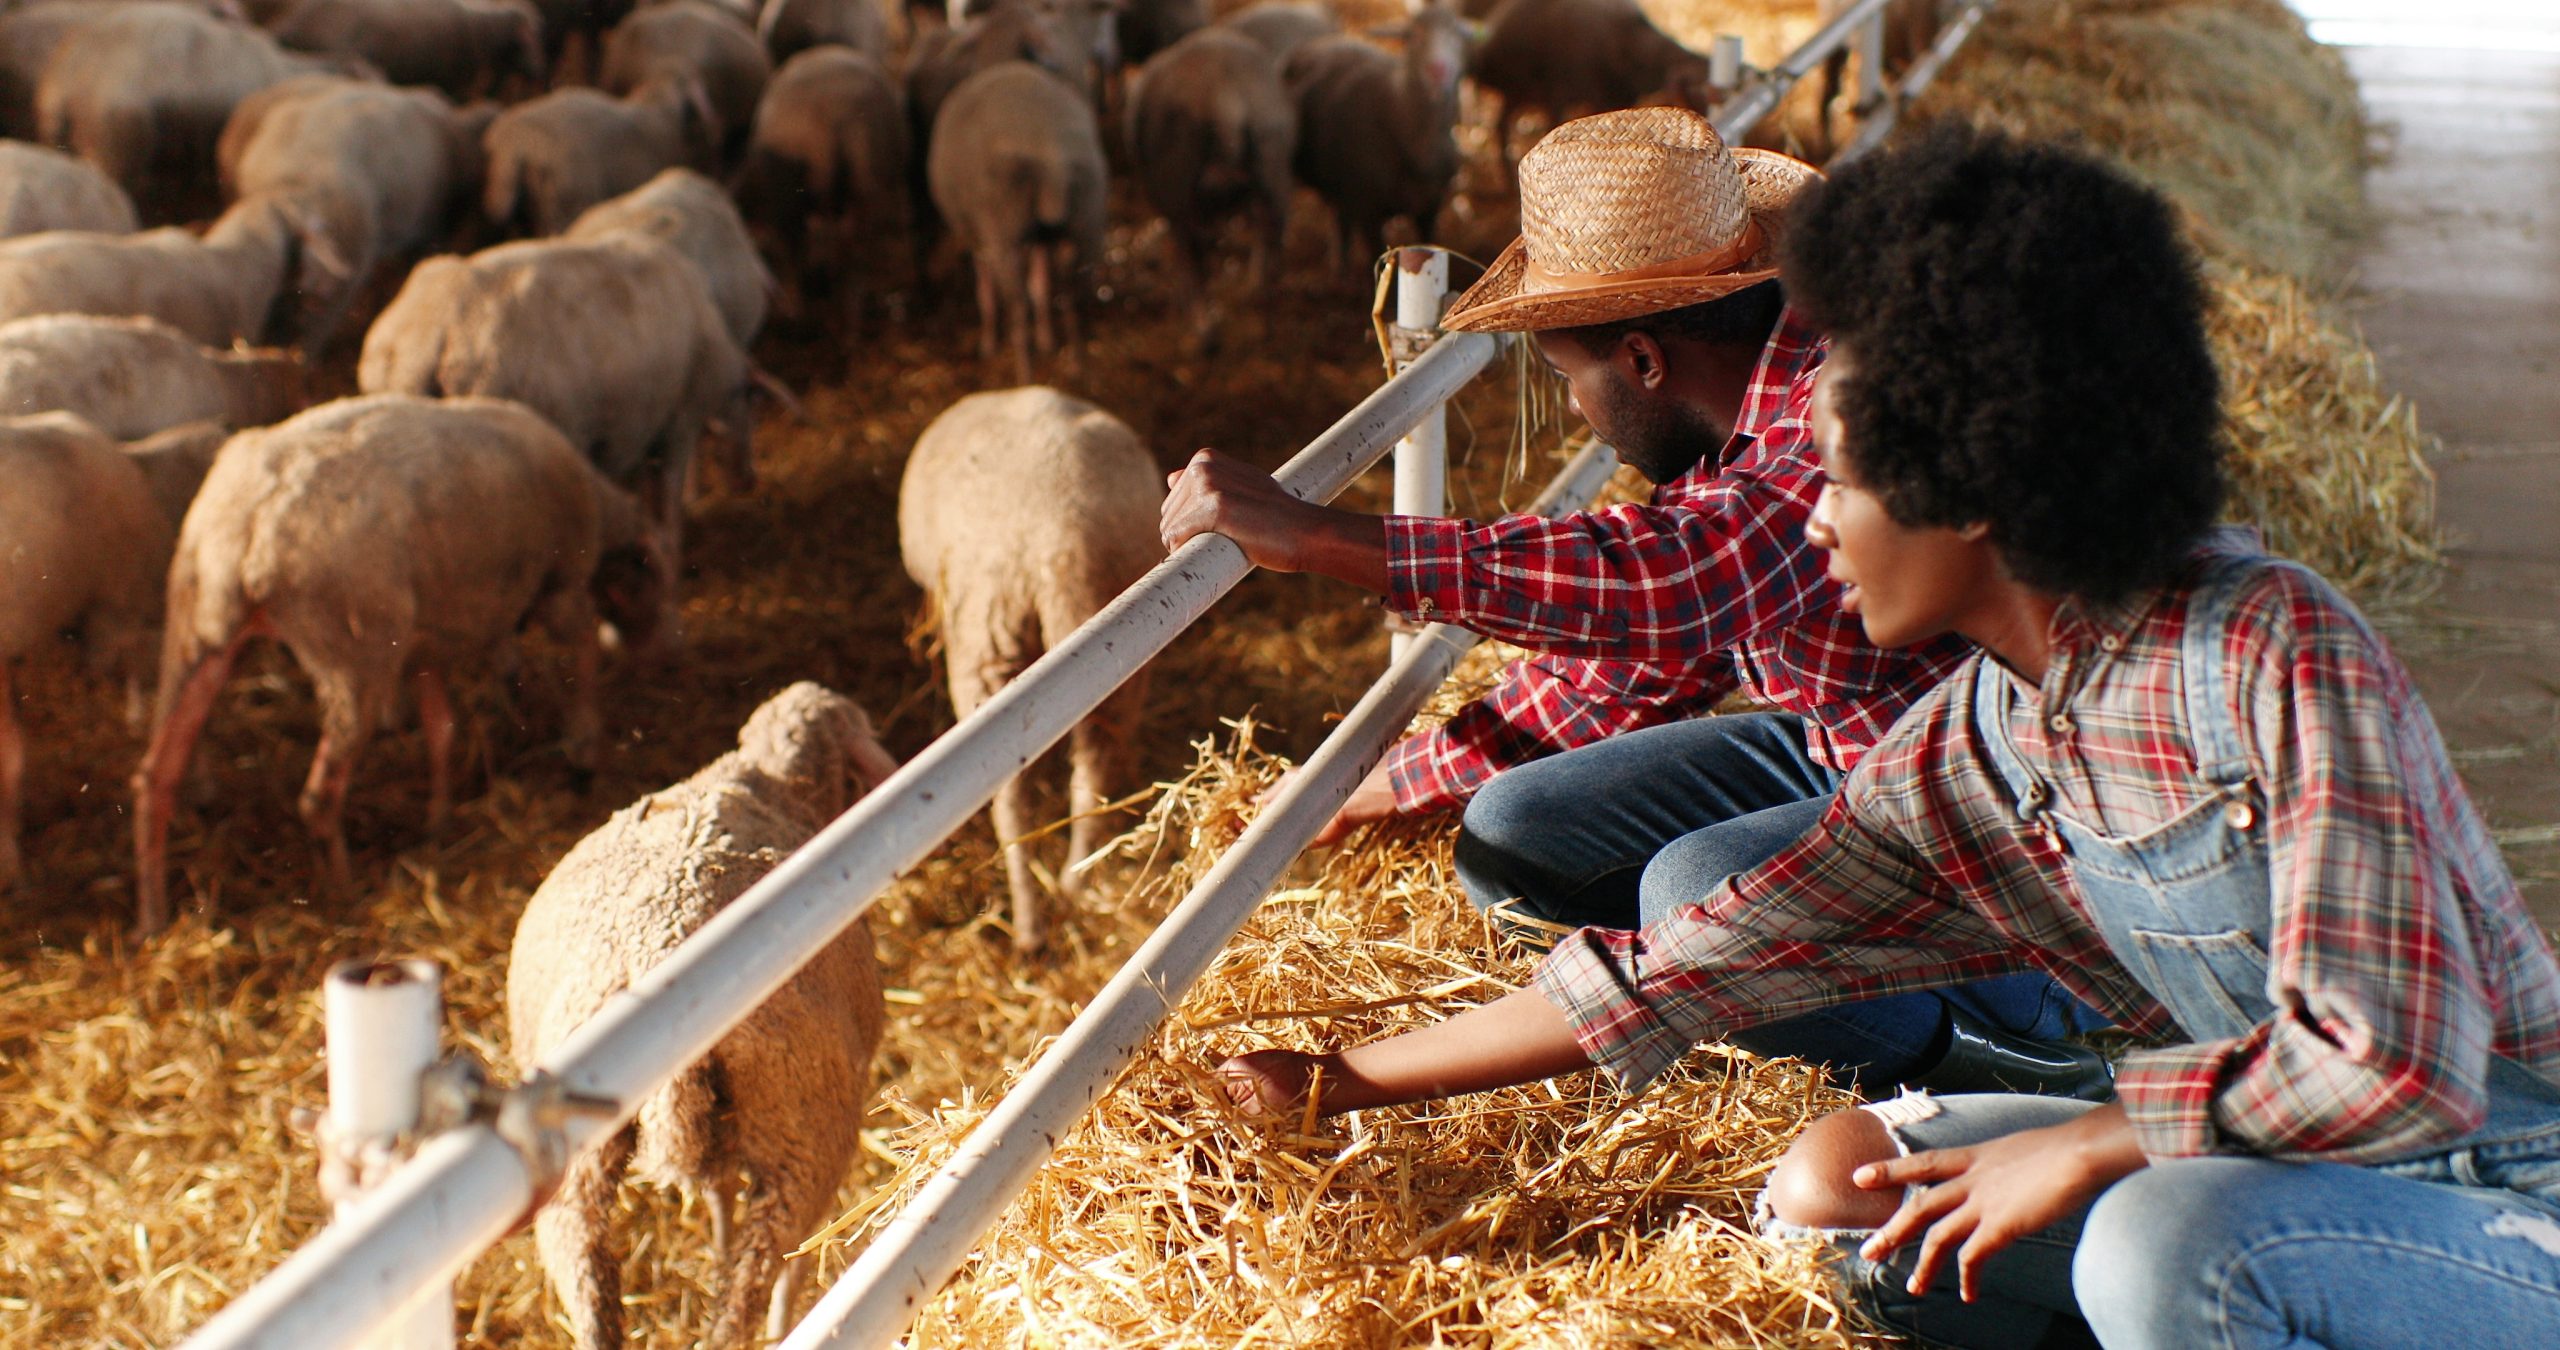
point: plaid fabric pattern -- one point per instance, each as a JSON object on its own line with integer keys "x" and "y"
{"x": 2401, "y": 954}
{"x": 1649, "y": 614}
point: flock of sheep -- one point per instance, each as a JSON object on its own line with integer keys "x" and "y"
{"x": 531, "y": 405}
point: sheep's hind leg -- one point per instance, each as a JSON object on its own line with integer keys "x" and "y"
{"x": 435, "y": 720}
{"x": 572, "y": 1233}
{"x": 186, "y": 704}
{"x": 349, "y": 711}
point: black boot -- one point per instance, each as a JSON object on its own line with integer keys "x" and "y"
{"x": 1983, "y": 1058}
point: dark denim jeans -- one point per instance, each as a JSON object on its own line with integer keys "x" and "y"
{"x": 1617, "y": 834}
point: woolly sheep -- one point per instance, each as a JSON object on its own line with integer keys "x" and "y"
{"x": 379, "y": 172}
{"x": 134, "y": 377}
{"x": 690, "y": 40}
{"x": 1572, "y": 58}
{"x": 1017, "y": 170}
{"x": 782, "y": 1096}
{"x": 827, "y": 168}
{"x": 44, "y": 189}
{"x": 789, "y": 27}
{"x": 1283, "y": 26}
{"x": 466, "y": 48}
{"x": 1374, "y": 130}
{"x": 384, "y": 541}
{"x": 82, "y": 548}
{"x": 1022, "y": 513}
{"x": 690, "y": 213}
{"x": 1211, "y": 133}
{"x": 216, "y": 288}
{"x": 615, "y": 340}
{"x": 552, "y": 157}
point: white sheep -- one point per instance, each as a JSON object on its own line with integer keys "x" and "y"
{"x": 387, "y": 540}
{"x": 44, "y": 189}
{"x": 1022, "y": 513}
{"x": 550, "y": 158}
{"x": 134, "y": 377}
{"x": 82, "y": 549}
{"x": 216, "y": 289}
{"x": 692, "y": 213}
{"x": 781, "y": 1096}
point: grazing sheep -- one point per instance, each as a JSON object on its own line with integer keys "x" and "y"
{"x": 553, "y": 157}
{"x": 174, "y": 462}
{"x": 690, "y": 213}
{"x": 29, "y": 36}
{"x": 133, "y": 377}
{"x": 1374, "y": 131}
{"x": 216, "y": 289}
{"x": 1022, "y": 513}
{"x": 575, "y": 28}
{"x": 82, "y": 548}
{"x": 1146, "y": 27}
{"x": 1572, "y": 58}
{"x": 1211, "y": 133}
{"x": 790, "y": 27}
{"x": 690, "y": 40}
{"x": 466, "y": 48}
{"x": 1283, "y": 26}
{"x": 44, "y": 189}
{"x": 1910, "y": 28}
{"x": 1017, "y": 170}
{"x": 781, "y": 1097}
{"x": 827, "y": 169}
{"x": 380, "y": 171}
{"x": 142, "y": 92}
{"x": 1065, "y": 36}
{"x": 615, "y": 340}
{"x": 386, "y": 540}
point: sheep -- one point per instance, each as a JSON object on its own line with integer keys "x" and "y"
{"x": 1055, "y": 34}
{"x": 142, "y": 92}
{"x": 829, "y": 161}
{"x": 383, "y": 541}
{"x": 1146, "y": 27}
{"x": 781, "y": 1096}
{"x": 1211, "y": 132}
{"x": 692, "y": 214}
{"x": 1017, "y": 170}
{"x": 1022, "y": 513}
{"x": 1910, "y": 28}
{"x": 44, "y": 189}
{"x": 615, "y": 340}
{"x": 1283, "y": 26}
{"x": 789, "y": 27}
{"x": 134, "y": 377}
{"x": 552, "y": 157}
{"x": 174, "y": 462}
{"x": 574, "y": 29}
{"x": 466, "y": 48}
{"x": 85, "y": 545}
{"x": 1375, "y": 135}
{"x": 380, "y": 171}
{"x": 687, "y": 39}
{"x": 1571, "y": 58}
{"x": 215, "y": 289}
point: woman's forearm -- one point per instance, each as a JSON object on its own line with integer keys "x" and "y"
{"x": 1518, "y": 1038}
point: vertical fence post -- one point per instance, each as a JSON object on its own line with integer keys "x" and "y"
{"x": 1870, "y": 48}
{"x": 1422, "y": 457}
{"x": 1724, "y": 63}
{"x": 381, "y": 1020}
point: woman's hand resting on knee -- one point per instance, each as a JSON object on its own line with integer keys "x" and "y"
{"x": 1979, "y": 1199}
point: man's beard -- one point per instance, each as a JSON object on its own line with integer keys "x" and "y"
{"x": 1659, "y": 437}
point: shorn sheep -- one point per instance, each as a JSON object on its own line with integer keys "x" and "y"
{"x": 780, "y": 1097}
{"x": 1375, "y": 136}
{"x": 1211, "y": 132}
{"x": 1017, "y": 170}
{"x": 552, "y": 157}
{"x": 1022, "y": 513}
{"x": 216, "y": 288}
{"x": 387, "y": 540}
{"x": 82, "y": 548}
{"x": 134, "y": 377}
{"x": 44, "y": 189}
{"x": 691, "y": 214}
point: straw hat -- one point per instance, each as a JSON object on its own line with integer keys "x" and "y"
{"x": 1632, "y": 213}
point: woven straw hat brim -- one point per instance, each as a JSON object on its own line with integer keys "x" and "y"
{"x": 1495, "y": 303}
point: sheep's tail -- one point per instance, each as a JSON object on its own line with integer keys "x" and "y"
{"x": 504, "y": 198}
{"x": 679, "y": 1127}
{"x": 1052, "y": 191}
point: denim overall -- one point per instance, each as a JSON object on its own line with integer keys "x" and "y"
{"x": 2186, "y": 907}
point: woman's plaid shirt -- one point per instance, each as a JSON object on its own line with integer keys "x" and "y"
{"x": 1642, "y": 615}
{"x": 2400, "y": 953}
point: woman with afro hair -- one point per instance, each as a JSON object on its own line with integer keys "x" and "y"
{"x": 2183, "y": 777}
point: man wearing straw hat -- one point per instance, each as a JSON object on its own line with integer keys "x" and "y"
{"x": 1595, "y": 790}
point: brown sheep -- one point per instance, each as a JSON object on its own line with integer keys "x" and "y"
{"x": 44, "y": 189}
{"x": 1022, "y": 513}
{"x": 790, "y": 27}
{"x": 466, "y": 48}
{"x": 826, "y": 174}
{"x": 133, "y": 377}
{"x": 1017, "y": 170}
{"x": 1572, "y": 58}
{"x": 690, "y": 40}
{"x": 217, "y": 288}
{"x": 1283, "y": 26}
{"x": 782, "y": 1095}
{"x": 386, "y": 541}
{"x": 552, "y": 157}
{"x": 83, "y": 545}
{"x": 1375, "y": 136}
{"x": 691, "y": 214}
{"x": 1211, "y": 133}
{"x": 615, "y": 340}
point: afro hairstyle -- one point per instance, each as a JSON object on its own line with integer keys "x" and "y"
{"x": 2025, "y": 342}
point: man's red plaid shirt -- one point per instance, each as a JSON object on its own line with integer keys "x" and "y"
{"x": 1642, "y": 615}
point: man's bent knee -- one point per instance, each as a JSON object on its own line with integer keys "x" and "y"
{"x": 1811, "y": 1187}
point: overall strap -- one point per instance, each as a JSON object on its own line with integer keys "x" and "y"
{"x": 2222, "y": 758}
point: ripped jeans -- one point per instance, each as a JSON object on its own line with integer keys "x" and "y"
{"x": 2209, "y": 1253}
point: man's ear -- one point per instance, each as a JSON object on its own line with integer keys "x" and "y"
{"x": 1641, "y": 360}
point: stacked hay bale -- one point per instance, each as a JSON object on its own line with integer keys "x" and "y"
{"x": 1565, "y": 1214}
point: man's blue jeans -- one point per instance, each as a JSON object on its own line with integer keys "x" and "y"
{"x": 1618, "y": 833}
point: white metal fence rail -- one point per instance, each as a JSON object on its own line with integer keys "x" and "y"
{"x": 466, "y": 1187}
